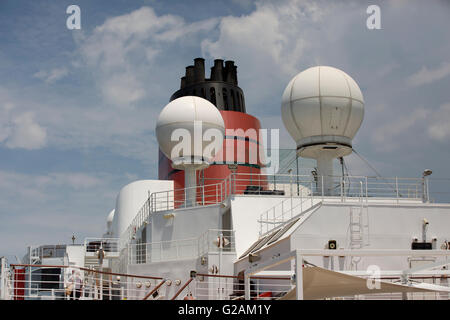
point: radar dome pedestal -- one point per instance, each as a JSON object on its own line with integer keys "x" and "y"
{"x": 322, "y": 109}
{"x": 198, "y": 120}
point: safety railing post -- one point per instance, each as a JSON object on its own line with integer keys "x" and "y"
{"x": 203, "y": 195}
{"x": 247, "y": 286}
{"x": 396, "y": 188}
{"x": 367, "y": 191}
{"x": 361, "y": 192}
{"x": 299, "y": 276}
{"x": 321, "y": 187}
{"x": 343, "y": 188}
{"x": 260, "y": 224}
{"x": 301, "y": 201}
{"x": 274, "y": 219}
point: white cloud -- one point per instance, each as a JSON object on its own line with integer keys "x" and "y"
{"x": 414, "y": 128}
{"x": 270, "y": 44}
{"x": 25, "y": 133}
{"x": 386, "y": 137}
{"x": 439, "y": 127}
{"x": 18, "y": 128}
{"x": 122, "y": 89}
{"x": 75, "y": 180}
{"x": 48, "y": 208}
{"x": 426, "y": 76}
{"x": 52, "y": 75}
{"x": 123, "y": 48}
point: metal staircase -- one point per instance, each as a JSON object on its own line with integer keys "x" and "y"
{"x": 98, "y": 250}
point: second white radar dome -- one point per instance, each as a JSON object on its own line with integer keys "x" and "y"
{"x": 322, "y": 105}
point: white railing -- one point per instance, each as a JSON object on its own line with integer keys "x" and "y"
{"x": 53, "y": 282}
{"x": 110, "y": 246}
{"x": 299, "y": 201}
{"x": 259, "y": 281}
{"x": 287, "y": 185}
{"x": 140, "y": 218}
{"x": 283, "y": 212}
{"x": 223, "y": 287}
{"x": 48, "y": 251}
{"x": 141, "y": 253}
{"x": 342, "y": 186}
{"x": 409, "y": 276}
{"x": 183, "y": 198}
{"x": 5, "y": 275}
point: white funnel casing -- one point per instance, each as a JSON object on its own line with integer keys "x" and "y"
{"x": 190, "y": 117}
{"x": 322, "y": 109}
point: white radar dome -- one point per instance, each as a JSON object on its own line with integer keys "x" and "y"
{"x": 201, "y": 119}
{"x": 322, "y": 108}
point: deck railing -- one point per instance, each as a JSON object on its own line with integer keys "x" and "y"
{"x": 344, "y": 188}
{"x": 172, "y": 250}
{"x": 62, "y": 282}
{"x": 259, "y": 281}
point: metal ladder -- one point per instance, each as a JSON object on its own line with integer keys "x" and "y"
{"x": 359, "y": 230}
{"x": 356, "y": 228}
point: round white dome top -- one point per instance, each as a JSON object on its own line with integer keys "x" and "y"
{"x": 183, "y": 113}
{"x": 322, "y": 105}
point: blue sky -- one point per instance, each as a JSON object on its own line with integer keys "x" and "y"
{"x": 78, "y": 107}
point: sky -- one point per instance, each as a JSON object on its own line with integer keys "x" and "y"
{"x": 78, "y": 107}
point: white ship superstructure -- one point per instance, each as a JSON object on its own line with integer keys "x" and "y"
{"x": 258, "y": 235}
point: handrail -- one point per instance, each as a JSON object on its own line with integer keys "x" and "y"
{"x": 242, "y": 278}
{"x": 276, "y": 221}
{"x": 154, "y": 289}
{"x": 236, "y": 183}
{"x": 87, "y": 270}
{"x": 196, "y": 247}
{"x": 182, "y": 288}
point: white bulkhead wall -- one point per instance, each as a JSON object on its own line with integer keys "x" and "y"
{"x": 75, "y": 254}
{"x": 247, "y": 210}
{"x": 130, "y": 200}
{"x": 389, "y": 227}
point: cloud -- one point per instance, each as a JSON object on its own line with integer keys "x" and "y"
{"x": 52, "y": 75}
{"x": 25, "y": 133}
{"x": 390, "y": 135}
{"x": 122, "y": 89}
{"x": 75, "y": 180}
{"x": 125, "y": 69}
{"x": 439, "y": 128}
{"x": 426, "y": 76}
{"x": 123, "y": 51}
{"x": 19, "y": 129}
{"x": 429, "y": 124}
{"x": 48, "y": 208}
{"x": 268, "y": 43}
